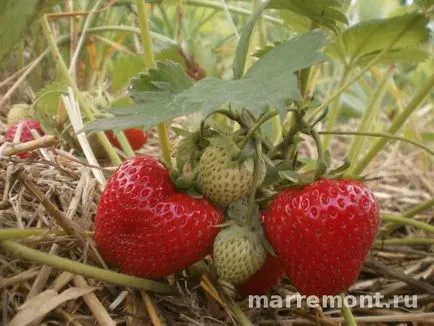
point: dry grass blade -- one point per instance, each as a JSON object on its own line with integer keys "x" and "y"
{"x": 43, "y": 142}
{"x": 95, "y": 306}
{"x": 68, "y": 226}
{"x": 383, "y": 269}
{"x": 45, "y": 302}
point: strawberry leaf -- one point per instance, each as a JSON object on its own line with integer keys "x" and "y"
{"x": 363, "y": 41}
{"x": 270, "y": 82}
{"x": 167, "y": 92}
{"x": 244, "y": 43}
{"x": 325, "y": 13}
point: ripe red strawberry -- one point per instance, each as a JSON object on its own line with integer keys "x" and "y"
{"x": 147, "y": 228}
{"x": 265, "y": 279}
{"x": 26, "y": 126}
{"x": 136, "y": 137}
{"x": 322, "y": 233}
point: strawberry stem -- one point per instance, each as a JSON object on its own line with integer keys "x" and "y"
{"x": 87, "y": 110}
{"x": 163, "y": 133}
{"x": 256, "y": 127}
{"x": 347, "y": 314}
{"x": 15, "y": 233}
{"x": 256, "y": 172}
{"x": 378, "y": 135}
{"x": 408, "y": 221}
{"x": 84, "y": 269}
{"x": 396, "y": 124}
{"x": 404, "y": 242}
{"x": 321, "y": 165}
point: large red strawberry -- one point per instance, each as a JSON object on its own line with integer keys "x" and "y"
{"x": 322, "y": 233}
{"x": 136, "y": 137}
{"x": 265, "y": 279}
{"x": 147, "y": 228}
{"x": 24, "y": 126}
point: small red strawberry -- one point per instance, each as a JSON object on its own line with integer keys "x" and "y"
{"x": 147, "y": 228}
{"x": 265, "y": 279}
{"x": 24, "y": 127}
{"x": 322, "y": 233}
{"x": 136, "y": 137}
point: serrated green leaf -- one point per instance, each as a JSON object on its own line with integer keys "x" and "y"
{"x": 168, "y": 76}
{"x": 296, "y": 22}
{"x": 271, "y": 82}
{"x": 369, "y": 38}
{"x": 172, "y": 53}
{"x": 415, "y": 55}
{"x": 325, "y": 13}
{"x": 126, "y": 67}
{"x": 243, "y": 45}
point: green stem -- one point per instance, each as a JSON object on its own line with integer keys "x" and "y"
{"x": 374, "y": 60}
{"x": 7, "y": 234}
{"x": 166, "y": 20}
{"x": 348, "y": 315}
{"x": 83, "y": 35}
{"x": 256, "y": 127}
{"x": 84, "y": 269}
{"x": 408, "y": 221}
{"x": 145, "y": 33}
{"x": 321, "y": 165}
{"x": 163, "y": 133}
{"x": 369, "y": 116}
{"x": 390, "y": 227}
{"x": 261, "y": 27}
{"x": 403, "y": 242}
{"x": 81, "y": 99}
{"x": 334, "y": 108}
{"x": 424, "y": 91}
{"x": 231, "y": 8}
{"x": 378, "y": 135}
{"x": 423, "y": 206}
{"x": 255, "y": 179}
{"x": 15, "y": 233}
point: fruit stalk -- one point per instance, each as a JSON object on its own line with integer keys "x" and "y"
{"x": 369, "y": 117}
{"x": 341, "y": 88}
{"x": 348, "y": 315}
{"x": 81, "y": 99}
{"x": 408, "y": 221}
{"x": 84, "y": 269}
{"x": 398, "y": 122}
{"x": 163, "y": 133}
{"x": 255, "y": 178}
{"x": 386, "y": 136}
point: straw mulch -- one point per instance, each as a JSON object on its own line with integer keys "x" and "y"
{"x": 69, "y": 188}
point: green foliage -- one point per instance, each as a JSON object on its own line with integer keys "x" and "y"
{"x": 16, "y": 14}
{"x": 47, "y": 105}
{"x": 166, "y": 92}
{"x": 374, "y": 9}
{"x": 327, "y": 13}
{"x": 244, "y": 43}
{"x": 125, "y": 67}
{"x": 426, "y": 4}
{"x": 361, "y": 42}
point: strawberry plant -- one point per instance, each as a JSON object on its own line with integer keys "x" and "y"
{"x": 272, "y": 131}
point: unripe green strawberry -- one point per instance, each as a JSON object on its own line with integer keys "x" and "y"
{"x": 238, "y": 254}
{"x": 18, "y": 112}
{"x": 223, "y": 180}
